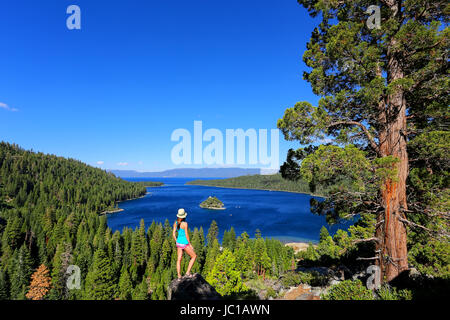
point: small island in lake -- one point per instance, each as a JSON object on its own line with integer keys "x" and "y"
{"x": 212, "y": 203}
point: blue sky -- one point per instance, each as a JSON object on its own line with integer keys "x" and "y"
{"x": 115, "y": 90}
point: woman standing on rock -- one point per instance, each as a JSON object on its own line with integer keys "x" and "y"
{"x": 183, "y": 242}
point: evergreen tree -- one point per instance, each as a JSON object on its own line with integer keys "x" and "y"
{"x": 100, "y": 281}
{"x": 211, "y": 255}
{"x": 229, "y": 239}
{"x": 83, "y": 256}
{"x": 244, "y": 254}
{"x": 12, "y": 234}
{"x": 117, "y": 250}
{"x": 166, "y": 253}
{"x": 213, "y": 232}
{"x": 381, "y": 87}
{"x": 324, "y": 234}
{"x": 149, "y": 271}
{"x": 143, "y": 239}
{"x": 167, "y": 230}
{"x": 160, "y": 293}
{"x": 156, "y": 244}
{"x": 141, "y": 291}
{"x": 61, "y": 261}
{"x": 261, "y": 259}
{"x": 311, "y": 253}
{"x": 4, "y": 287}
{"x": 20, "y": 270}
{"x": 327, "y": 249}
{"x": 125, "y": 285}
{"x": 137, "y": 249}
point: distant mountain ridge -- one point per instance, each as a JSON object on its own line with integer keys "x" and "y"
{"x": 193, "y": 173}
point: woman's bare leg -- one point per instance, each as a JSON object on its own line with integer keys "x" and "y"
{"x": 179, "y": 257}
{"x": 190, "y": 251}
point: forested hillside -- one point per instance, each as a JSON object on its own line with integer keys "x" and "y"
{"x": 37, "y": 181}
{"x": 49, "y": 221}
{"x": 260, "y": 182}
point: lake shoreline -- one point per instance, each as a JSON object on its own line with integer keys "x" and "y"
{"x": 132, "y": 198}
{"x": 120, "y": 209}
{"x": 112, "y": 211}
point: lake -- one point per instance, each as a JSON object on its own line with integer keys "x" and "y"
{"x": 281, "y": 215}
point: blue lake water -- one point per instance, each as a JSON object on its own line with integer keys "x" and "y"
{"x": 280, "y": 215}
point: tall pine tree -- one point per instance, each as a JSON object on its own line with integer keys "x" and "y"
{"x": 381, "y": 87}
{"x": 100, "y": 281}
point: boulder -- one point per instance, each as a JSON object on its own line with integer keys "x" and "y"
{"x": 277, "y": 286}
{"x": 334, "y": 282}
{"x": 318, "y": 291}
{"x": 192, "y": 287}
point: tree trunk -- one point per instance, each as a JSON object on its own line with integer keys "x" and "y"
{"x": 390, "y": 230}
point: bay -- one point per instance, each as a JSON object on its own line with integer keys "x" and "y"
{"x": 284, "y": 216}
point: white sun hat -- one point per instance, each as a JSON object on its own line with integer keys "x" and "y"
{"x": 181, "y": 213}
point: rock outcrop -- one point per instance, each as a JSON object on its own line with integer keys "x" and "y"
{"x": 192, "y": 287}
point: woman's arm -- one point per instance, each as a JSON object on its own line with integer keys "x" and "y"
{"x": 186, "y": 232}
{"x": 174, "y": 232}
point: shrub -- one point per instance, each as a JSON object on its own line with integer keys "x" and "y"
{"x": 387, "y": 292}
{"x": 432, "y": 259}
{"x": 271, "y": 293}
{"x": 313, "y": 278}
{"x": 292, "y": 279}
{"x": 317, "y": 279}
{"x": 349, "y": 290}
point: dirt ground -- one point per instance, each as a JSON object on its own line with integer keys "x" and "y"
{"x": 300, "y": 293}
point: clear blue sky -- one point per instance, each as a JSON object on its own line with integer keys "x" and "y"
{"x": 137, "y": 70}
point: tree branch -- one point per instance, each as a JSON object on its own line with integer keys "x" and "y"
{"x": 366, "y": 240}
{"x": 424, "y": 48}
{"x": 372, "y": 258}
{"x": 422, "y": 227}
{"x": 362, "y": 127}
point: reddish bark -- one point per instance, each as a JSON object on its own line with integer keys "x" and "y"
{"x": 391, "y": 233}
